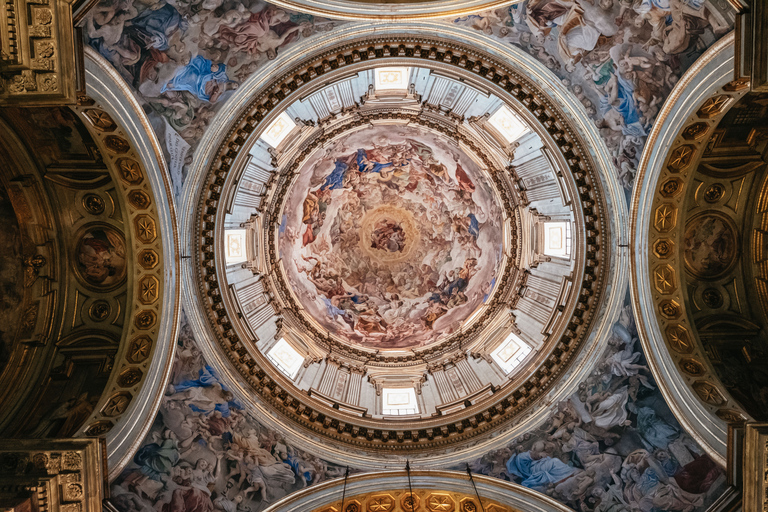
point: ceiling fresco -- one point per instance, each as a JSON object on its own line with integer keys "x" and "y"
{"x": 392, "y": 237}
{"x": 621, "y": 59}
{"x": 613, "y": 445}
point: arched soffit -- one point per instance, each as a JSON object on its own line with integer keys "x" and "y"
{"x": 99, "y": 309}
{"x": 148, "y": 353}
{"x": 663, "y": 178}
{"x": 436, "y": 491}
{"x": 392, "y": 9}
{"x": 558, "y": 100}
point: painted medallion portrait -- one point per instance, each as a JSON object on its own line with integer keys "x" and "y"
{"x": 100, "y": 257}
{"x": 392, "y": 238}
{"x": 710, "y": 245}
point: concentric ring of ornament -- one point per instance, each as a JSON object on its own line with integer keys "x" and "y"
{"x": 272, "y": 387}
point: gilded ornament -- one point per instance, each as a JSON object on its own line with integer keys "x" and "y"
{"x": 139, "y": 199}
{"x": 148, "y": 289}
{"x": 40, "y": 460}
{"x": 380, "y": 503}
{"x": 93, "y": 204}
{"x": 671, "y": 187}
{"x": 665, "y": 218}
{"x": 714, "y": 193}
{"x": 43, "y": 16}
{"x": 29, "y": 319}
{"x": 148, "y": 259}
{"x": 145, "y": 319}
{"x": 145, "y": 228}
{"x": 730, "y": 416}
{"x": 73, "y": 491}
{"x": 353, "y": 506}
{"x": 468, "y": 505}
{"x": 691, "y": 367}
{"x": 99, "y": 311}
{"x": 138, "y": 350}
{"x": 708, "y": 393}
{"x": 712, "y": 298}
{"x": 695, "y": 131}
{"x": 71, "y": 461}
{"x": 681, "y": 158}
{"x": 99, "y": 428}
{"x": 44, "y": 49}
{"x": 117, "y": 404}
{"x": 49, "y": 83}
{"x": 115, "y": 144}
{"x": 664, "y": 279}
{"x": 440, "y": 502}
{"x": 130, "y": 171}
{"x": 713, "y": 106}
{"x": 129, "y": 377}
{"x": 663, "y": 248}
{"x": 737, "y": 85}
{"x": 410, "y": 502}
{"x": 679, "y": 339}
{"x": 100, "y": 119}
{"x": 32, "y": 266}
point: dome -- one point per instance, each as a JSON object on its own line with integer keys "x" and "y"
{"x": 391, "y": 238}
{"x": 416, "y": 269}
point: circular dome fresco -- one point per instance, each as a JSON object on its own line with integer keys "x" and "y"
{"x": 391, "y": 238}
{"x": 404, "y": 255}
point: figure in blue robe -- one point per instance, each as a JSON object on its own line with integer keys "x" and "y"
{"x": 156, "y": 460}
{"x": 225, "y": 408}
{"x": 336, "y": 178}
{"x": 365, "y": 165}
{"x": 474, "y": 226}
{"x": 655, "y": 432}
{"x": 540, "y": 472}
{"x": 627, "y": 107}
{"x": 207, "y": 377}
{"x": 195, "y": 76}
{"x": 156, "y": 25}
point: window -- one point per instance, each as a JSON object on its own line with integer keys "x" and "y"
{"x": 557, "y": 239}
{"x": 508, "y": 124}
{"x": 278, "y": 130}
{"x": 399, "y": 401}
{"x": 510, "y": 353}
{"x": 285, "y": 358}
{"x": 234, "y": 246}
{"x": 391, "y": 78}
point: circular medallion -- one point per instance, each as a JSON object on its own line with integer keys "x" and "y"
{"x": 710, "y": 246}
{"x": 100, "y": 257}
{"x": 392, "y": 238}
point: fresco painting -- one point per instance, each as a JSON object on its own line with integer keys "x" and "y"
{"x": 185, "y": 58}
{"x": 614, "y": 445}
{"x": 204, "y": 452}
{"x": 620, "y": 58}
{"x": 100, "y": 256}
{"x": 392, "y": 238}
